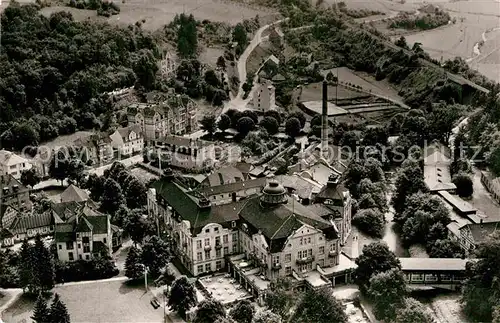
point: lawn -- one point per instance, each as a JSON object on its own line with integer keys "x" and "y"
{"x": 111, "y": 301}
{"x": 157, "y": 13}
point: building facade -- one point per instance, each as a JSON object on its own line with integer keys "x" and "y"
{"x": 25, "y": 226}
{"x": 81, "y": 232}
{"x": 175, "y": 115}
{"x": 128, "y": 141}
{"x": 267, "y": 227}
{"x": 264, "y": 98}
{"x": 12, "y": 164}
{"x": 185, "y": 153}
{"x": 15, "y": 196}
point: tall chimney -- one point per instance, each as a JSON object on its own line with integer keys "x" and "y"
{"x": 324, "y": 121}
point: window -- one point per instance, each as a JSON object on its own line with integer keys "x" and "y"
{"x": 309, "y": 253}
{"x": 78, "y": 235}
{"x": 70, "y": 255}
{"x": 86, "y": 249}
{"x": 288, "y": 270}
{"x": 218, "y": 253}
{"x": 87, "y": 257}
{"x": 233, "y": 224}
{"x": 207, "y": 241}
{"x": 417, "y": 277}
{"x": 235, "y": 237}
{"x": 85, "y": 239}
{"x": 301, "y": 241}
{"x": 199, "y": 256}
{"x": 208, "y": 267}
{"x": 218, "y": 264}
{"x": 226, "y": 250}
{"x": 60, "y": 247}
{"x": 217, "y": 241}
{"x": 198, "y": 244}
{"x": 207, "y": 255}
{"x": 288, "y": 257}
{"x": 321, "y": 250}
{"x": 207, "y": 231}
{"x": 79, "y": 246}
{"x": 80, "y": 257}
{"x": 276, "y": 260}
{"x": 200, "y": 268}
{"x": 216, "y": 229}
{"x": 321, "y": 262}
{"x": 104, "y": 240}
{"x": 299, "y": 254}
{"x": 309, "y": 240}
{"x": 225, "y": 238}
{"x": 235, "y": 248}
{"x": 69, "y": 245}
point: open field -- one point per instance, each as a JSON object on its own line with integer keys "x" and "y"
{"x": 209, "y": 55}
{"x": 112, "y": 301}
{"x": 160, "y": 12}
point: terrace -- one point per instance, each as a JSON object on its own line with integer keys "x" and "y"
{"x": 224, "y": 289}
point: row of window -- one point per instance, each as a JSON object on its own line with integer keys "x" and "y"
{"x": 225, "y": 239}
{"x": 218, "y": 253}
{"x": 208, "y": 267}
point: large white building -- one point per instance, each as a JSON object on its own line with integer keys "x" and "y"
{"x": 12, "y": 164}
{"x": 174, "y": 115}
{"x": 186, "y": 153}
{"x": 260, "y": 234}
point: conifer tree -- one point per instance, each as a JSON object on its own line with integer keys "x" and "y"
{"x": 25, "y": 267}
{"x": 58, "y": 311}
{"x": 41, "y": 313}
{"x": 133, "y": 268}
{"x": 44, "y": 271}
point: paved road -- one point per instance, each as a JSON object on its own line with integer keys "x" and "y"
{"x": 238, "y": 103}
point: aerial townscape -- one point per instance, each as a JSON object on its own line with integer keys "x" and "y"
{"x": 250, "y": 161}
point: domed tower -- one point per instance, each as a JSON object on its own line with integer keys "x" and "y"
{"x": 273, "y": 194}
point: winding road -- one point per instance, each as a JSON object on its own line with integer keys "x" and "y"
{"x": 238, "y": 103}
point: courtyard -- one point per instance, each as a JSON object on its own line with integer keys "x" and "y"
{"x": 110, "y": 301}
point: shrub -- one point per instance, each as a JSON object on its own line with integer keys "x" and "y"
{"x": 81, "y": 270}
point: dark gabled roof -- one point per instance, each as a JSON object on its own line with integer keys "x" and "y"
{"x": 32, "y": 221}
{"x": 278, "y": 222}
{"x": 222, "y": 176}
{"x": 5, "y": 233}
{"x": 14, "y": 186}
{"x": 74, "y": 193}
{"x": 185, "y": 203}
{"x": 64, "y": 236}
{"x": 233, "y": 187}
{"x": 99, "y": 223}
{"x": 332, "y": 192}
{"x": 83, "y": 225}
{"x": 243, "y": 167}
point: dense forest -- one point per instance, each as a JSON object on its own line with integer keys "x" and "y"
{"x": 53, "y": 71}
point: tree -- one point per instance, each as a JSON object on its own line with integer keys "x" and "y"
{"x": 208, "y": 124}
{"x": 494, "y": 161}
{"x": 224, "y": 122}
{"x": 370, "y": 221}
{"x": 30, "y": 177}
{"x": 240, "y": 36}
{"x": 413, "y": 312}
{"x": 135, "y": 193}
{"x": 26, "y": 266}
{"x": 187, "y": 35}
{"x": 242, "y": 312}
{"x": 133, "y": 263}
{"x": 182, "y": 296}
{"x": 266, "y": 316}
{"x": 245, "y": 125}
{"x": 270, "y": 124}
{"x": 292, "y": 127}
{"x": 275, "y": 114}
{"x": 212, "y": 79}
{"x": 112, "y": 197}
{"x": 155, "y": 255}
{"x": 401, "y": 42}
{"x": 464, "y": 184}
{"x": 137, "y": 225}
{"x": 375, "y": 258}
{"x": 58, "y": 311}
{"x": 408, "y": 181}
{"x": 43, "y": 271}
{"x": 319, "y": 306}
{"x": 387, "y": 290}
{"x": 350, "y": 139}
{"x": 209, "y": 311}
{"x": 280, "y": 297}
{"x": 442, "y": 118}
{"x": 41, "y": 313}
{"x": 95, "y": 184}
{"x": 221, "y": 63}
{"x": 445, "y": 248}
{"x": 299, "y": 115}
{"x": 481, "y": 291}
